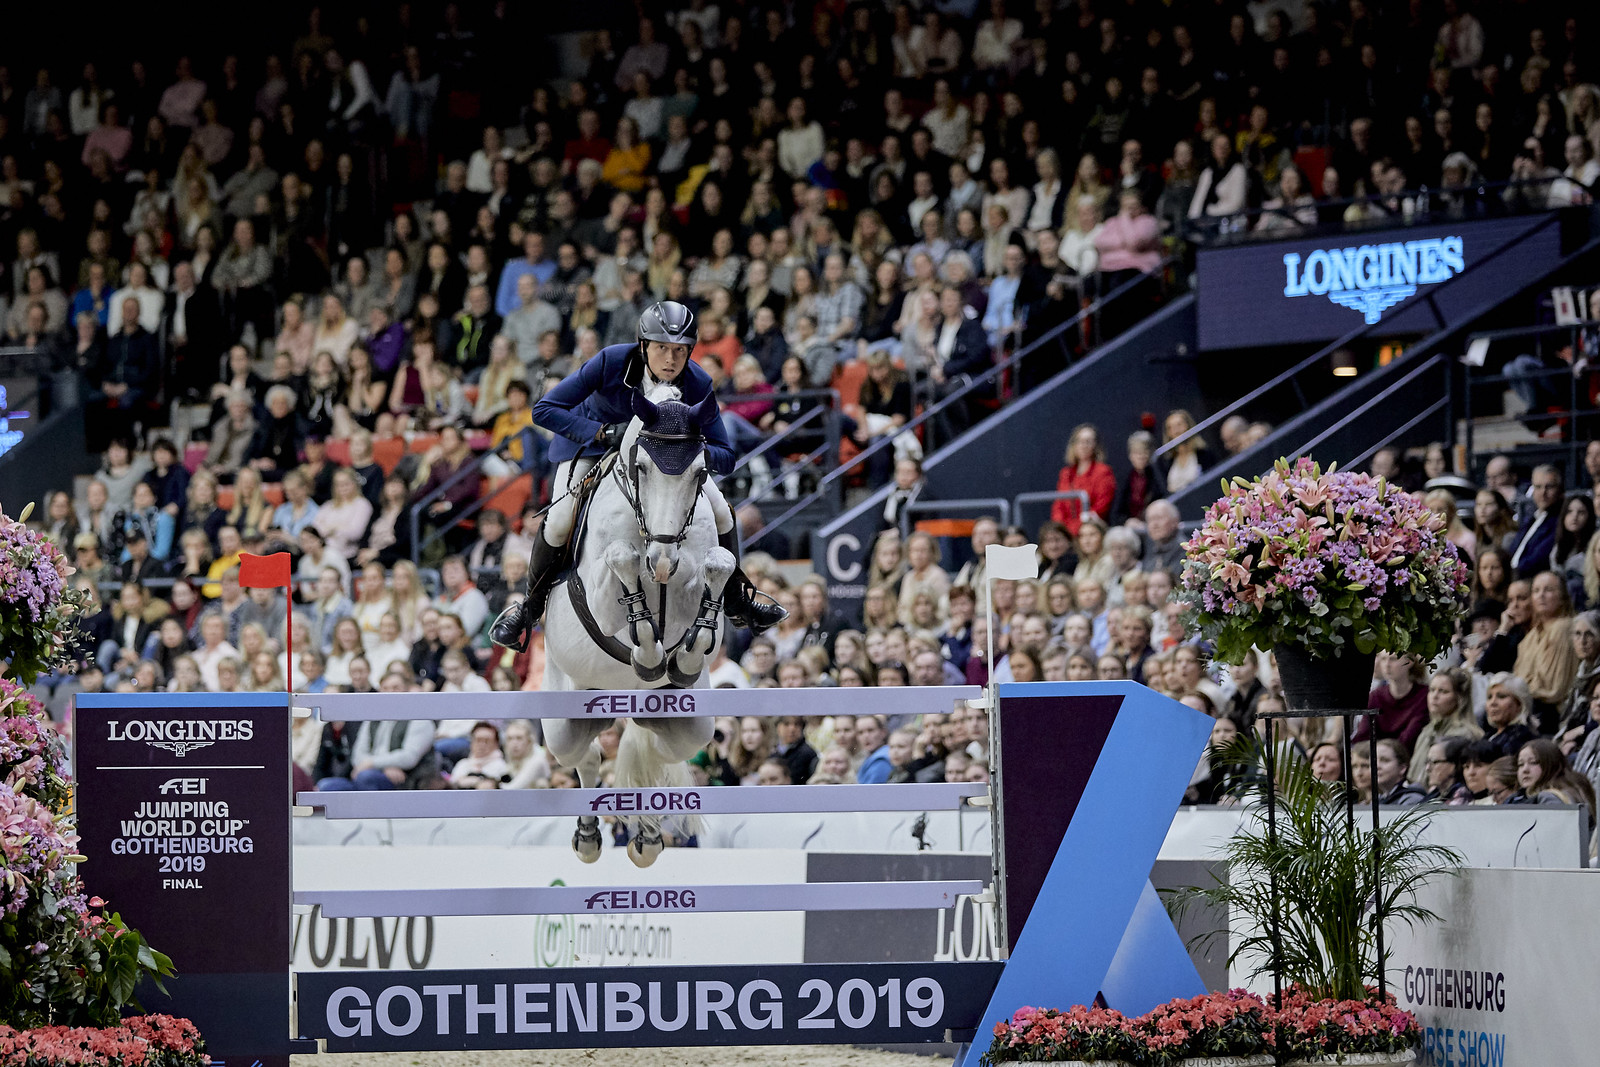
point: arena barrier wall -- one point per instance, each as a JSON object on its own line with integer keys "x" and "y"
{"x": 1508, "y": 975}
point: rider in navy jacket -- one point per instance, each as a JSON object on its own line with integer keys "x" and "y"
{"x": 600, "y": 393}
{"x": 589, "y": 412}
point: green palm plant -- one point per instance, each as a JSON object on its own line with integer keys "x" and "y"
{"x": 1318, "y": 870}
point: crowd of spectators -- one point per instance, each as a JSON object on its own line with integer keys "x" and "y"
{"x": 352, "y": 261}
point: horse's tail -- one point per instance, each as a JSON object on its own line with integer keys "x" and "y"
{"x": 642, "y": 764}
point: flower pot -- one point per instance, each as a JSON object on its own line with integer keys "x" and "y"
{"x": 1359, "y": 1059}
{"x": 1229, "y": 1061}
{"x": 1089, "y": 1063}
{"x": 1324, "y": 686}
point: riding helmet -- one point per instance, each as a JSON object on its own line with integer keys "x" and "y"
{"x": 670, "y": 322}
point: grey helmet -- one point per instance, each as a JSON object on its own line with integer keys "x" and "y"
{"x": 670, "y": 322}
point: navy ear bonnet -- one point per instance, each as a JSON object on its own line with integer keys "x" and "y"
{"x": 671, "y": 436}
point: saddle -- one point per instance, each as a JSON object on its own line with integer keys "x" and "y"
{"x": 567, "y": 563}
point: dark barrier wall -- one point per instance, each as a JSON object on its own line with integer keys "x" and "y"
{"x": 1019, "y": 450}
{"x": 1292, "y": 292}
{"x": 47, "y": 458}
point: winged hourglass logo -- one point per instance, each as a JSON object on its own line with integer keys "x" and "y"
{"x": 1371, "y": 279}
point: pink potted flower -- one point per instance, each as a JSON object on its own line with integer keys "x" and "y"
{"x": 1373, "y": 1032}
{"x": 1323, "y": 568}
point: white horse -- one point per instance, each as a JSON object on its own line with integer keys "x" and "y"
{"x": 640, "y": 609}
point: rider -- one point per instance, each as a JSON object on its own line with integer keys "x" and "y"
{"x": 589, "y": 412}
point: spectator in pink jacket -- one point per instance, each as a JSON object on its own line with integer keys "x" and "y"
{"x": 1129, "y": 242}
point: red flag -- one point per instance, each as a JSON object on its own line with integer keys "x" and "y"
{"x": 264, "y": 572}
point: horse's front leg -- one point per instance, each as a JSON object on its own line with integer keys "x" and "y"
{"x": 649, "y": 658}
{"x": 701, "y": 636}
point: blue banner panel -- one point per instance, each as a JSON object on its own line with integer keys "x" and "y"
{"x": 183, "y": 810}
{"x": 1093, "y": 924}
{"x": 1295, "y": 292}
{"x": 639, "y": 1007}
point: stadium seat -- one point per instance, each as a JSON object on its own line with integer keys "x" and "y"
{"x": 388, "y": 453}
{"x": 946, "y": 527}
{"x": 512, "y": 496}
{"x": 848, "y": 377}
{"x": 1312, "y": 160}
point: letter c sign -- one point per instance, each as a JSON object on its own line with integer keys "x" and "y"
{"x": 850, "y": 543}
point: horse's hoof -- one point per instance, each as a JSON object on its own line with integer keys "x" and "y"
{"x": 643, "y": 851}
{"x": 586, "y": 843}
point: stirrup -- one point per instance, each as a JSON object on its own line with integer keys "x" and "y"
{"x": 515, "y": 615}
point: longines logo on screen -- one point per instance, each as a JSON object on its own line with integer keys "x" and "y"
{"x": 1372, "y": 279}
{"x": 180, "y": 736}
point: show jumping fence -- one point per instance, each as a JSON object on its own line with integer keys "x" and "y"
{"x": 184, "y": 815}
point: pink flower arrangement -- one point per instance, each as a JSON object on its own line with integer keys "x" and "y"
{"x": 63, "y": 958}
{"x": 1231, "y": 1023}
{"x": 1324, "y": 560}
{"x": 1322, "y": 1027}
{"x": 140, "y": 1041}
{"x": 38, "y": 612}
{"x": 1088, "y": 1034}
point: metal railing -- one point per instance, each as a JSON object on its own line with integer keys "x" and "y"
{"x": 1055, "y": 335}
{"x": 1049, "y": 497}
{"x": 1422, "y": 206}
{"x": 1427, "y": 297}
{"x": 990, "y": 507}
{"x": 1376, "y": 401}
{"x": 1560, "y": 379}
{"x": 821, "y": 458}
{"x": 418, "y": 511}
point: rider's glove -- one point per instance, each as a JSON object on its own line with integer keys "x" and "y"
{"x": 611, "y": 436}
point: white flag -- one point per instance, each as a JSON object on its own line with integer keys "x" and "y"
{"x": 1019, "y": 562}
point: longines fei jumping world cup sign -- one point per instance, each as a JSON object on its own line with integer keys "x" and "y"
{"x": 183, "y": 803}
{"x": 1289, "y": 292}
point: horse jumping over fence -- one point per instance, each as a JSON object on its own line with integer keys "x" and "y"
{"x": 641, "y": 607}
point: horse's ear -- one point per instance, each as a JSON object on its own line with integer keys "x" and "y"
{"x": 648, "y": 413}
{"x": 707, "y": 412}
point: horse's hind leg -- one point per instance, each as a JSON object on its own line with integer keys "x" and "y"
{"x": 652, "y": 754}
{"x": 573, "y": 742}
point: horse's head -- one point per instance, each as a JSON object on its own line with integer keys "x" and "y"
{"x": 663, "y": 464}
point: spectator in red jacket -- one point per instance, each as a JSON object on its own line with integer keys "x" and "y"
{"x": 1085, "y": 470}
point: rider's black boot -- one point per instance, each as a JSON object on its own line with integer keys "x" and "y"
{"x": 511, "y": 629}
{"x": 742, "y": 602}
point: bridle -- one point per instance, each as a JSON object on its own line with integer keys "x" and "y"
{"x": 627, "y": 474}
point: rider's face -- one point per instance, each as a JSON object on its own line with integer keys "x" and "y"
{"x": 666, "y": 360}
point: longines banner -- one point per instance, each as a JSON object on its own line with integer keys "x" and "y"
{"x": 1509, "y": 972}
{"x": 183, "y": 804}
{"x": 1292, "y": 292}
